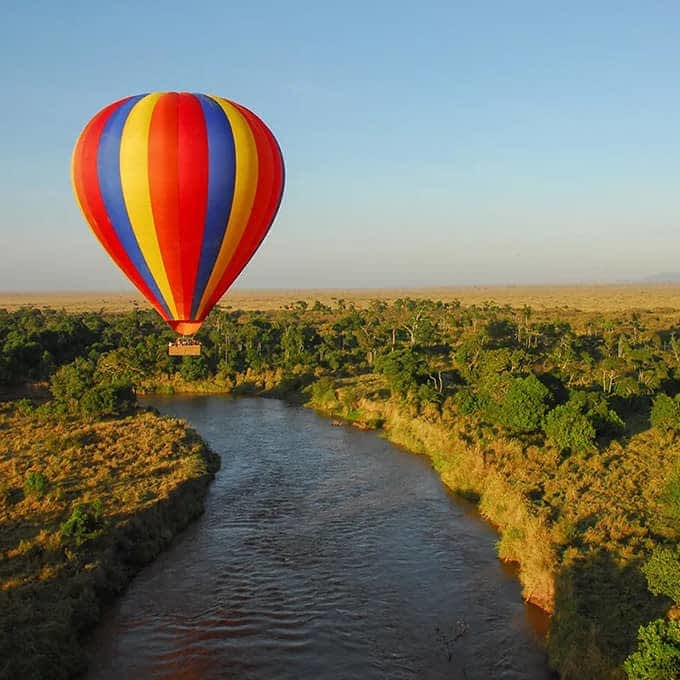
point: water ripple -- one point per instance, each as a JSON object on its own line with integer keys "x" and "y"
{"x": 324, "y": 552}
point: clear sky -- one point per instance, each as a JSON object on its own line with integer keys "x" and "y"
{"x": 426, "y": 143}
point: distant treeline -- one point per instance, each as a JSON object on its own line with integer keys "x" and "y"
{"x": 581, "y": 397}
{"x": 523, "y": 370}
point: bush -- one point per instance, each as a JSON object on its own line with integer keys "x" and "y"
{"x": 525, "y": 404}
{"x": 403, "y": 368}
{"x": 569, "y": 429}
{"x": 671, "y": 499}
{"x": 574, "y": 426}
{"x": 24, "y": 407}
{"x": 658, "y": 652}
{"x": 665, "y": 413}
{"x": 604, "y": 419}
{"x": 193, "y": 368}
{"x": 71, "y": 382}
{"x": 108, "y": 400}
{"x": 466, "y": 401}
{"x": 85, "y": 522}
{"x": 663, "y": 572}
{"x": 426, "y": 394}
{"x": 35, "y": 484}
{"x": 323, "y": 392}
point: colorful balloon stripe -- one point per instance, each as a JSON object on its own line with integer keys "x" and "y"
{"x": 93, "y": 208}
{"x": 221, "y": 181}
{"x": 180, "y": 189}
{"x": 266, "y": 201}
{"x": 245, "y": 188}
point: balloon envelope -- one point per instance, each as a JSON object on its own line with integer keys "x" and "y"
{"x": 180, "y": 189}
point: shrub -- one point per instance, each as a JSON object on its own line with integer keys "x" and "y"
{"x": 524, "y": 405}
{"x": 605, "y": 420}
{"x": 569, "y": 429}
{"x": 108, "y": 400}
{"x": 465, "y": 400}
{"x": 658, "y": 652}
{"x": 575, "y": 425}
{"x": 35, "y": 484}
{"x": 663, "y": 572}
{"x": 323, "y": 392}
{"x": 193, "y": 368}
{"x": 24, "y": 407}
{"x": 402, "y": 368}
{"x": 349, "y": 398}
{"x": 665, "y": 413}
{"x": 85, "y": 522}
{"x": 70, "y": 382}
{"x": 426, "y": 394}
{"x": 671, "y": 499}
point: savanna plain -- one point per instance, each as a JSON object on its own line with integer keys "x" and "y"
{"x": 555, "y": 409}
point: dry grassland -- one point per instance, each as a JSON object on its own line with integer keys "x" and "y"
{"x": 148, "y": 475}
{"x": 587, "y": 298}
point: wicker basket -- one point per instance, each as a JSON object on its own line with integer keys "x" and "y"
{"x": 192, "y": 350}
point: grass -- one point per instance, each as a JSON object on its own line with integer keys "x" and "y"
{"x": 661, "y": 297}
{"x": 82, "y": 507}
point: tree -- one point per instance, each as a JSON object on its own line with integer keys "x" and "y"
{"x": 71, "y": 382}
{"x": 108, "y": 400}
{"x": 663, "y": 572}
{"x": 193, "y": 368}
{"x": 665, "y": 414}
{"x": 569, "y": 429}
{"x": 658, "y": 653}
{"x": 402, "y": 368}
{"x": 524, "y": 405}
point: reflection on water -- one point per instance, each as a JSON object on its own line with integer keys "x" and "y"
{"x": 324, "y": 552}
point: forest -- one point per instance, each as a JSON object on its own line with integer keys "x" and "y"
{"x": 563, "y": 425}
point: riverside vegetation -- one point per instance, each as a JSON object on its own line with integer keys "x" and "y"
{"x": 563, "y": 425}
{"x": 91, "y": 489}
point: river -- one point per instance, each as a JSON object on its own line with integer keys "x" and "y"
{"x": 324, "y": 552}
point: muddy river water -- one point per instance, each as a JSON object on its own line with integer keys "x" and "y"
{"x": 324, "y": 552}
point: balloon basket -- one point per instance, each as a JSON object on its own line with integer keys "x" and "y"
{"x": 184, "y": 347}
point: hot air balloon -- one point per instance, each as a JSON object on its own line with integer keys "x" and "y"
{"x": 180, "y": 189}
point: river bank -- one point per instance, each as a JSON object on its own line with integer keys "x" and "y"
{"x": 578, "y": 528}
{"x": 83, "y": 506}
{"x": 460, "y": 459}
{"x": 324, "y": 552}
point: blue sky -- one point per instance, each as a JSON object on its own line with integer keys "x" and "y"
{"x": 425, "y": 143}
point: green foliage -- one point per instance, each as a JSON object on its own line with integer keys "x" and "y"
{"x": 108, "y": 400}
{"x": 23, "y": 407}
{"x": 427, "y": 394}
{"x": 658, "y": 652}
{"x": 671, "y": 499}
{"x": 403, "y": 368}
{"x": 323, "y": 392}
{"x": 193, "y": 368}
{"x": 665, "y": 413}
{"x": 85, "y": 521}
{"x": 605, "y": 420}
{"x": 35, "y": 484}
{"x": 71, "y": 382}
{"x": 574, "y": 426}
{"x": 465, "y": 400}
{"x": 524, "y": 405}
{"x": 76, "y": 389}
{"x": 349, "y": 399}
{"x": 569, "y": 429}
{"x": 663, "y": 572}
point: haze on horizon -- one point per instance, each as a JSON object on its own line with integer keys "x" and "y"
{"x": 431, "y": 145}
